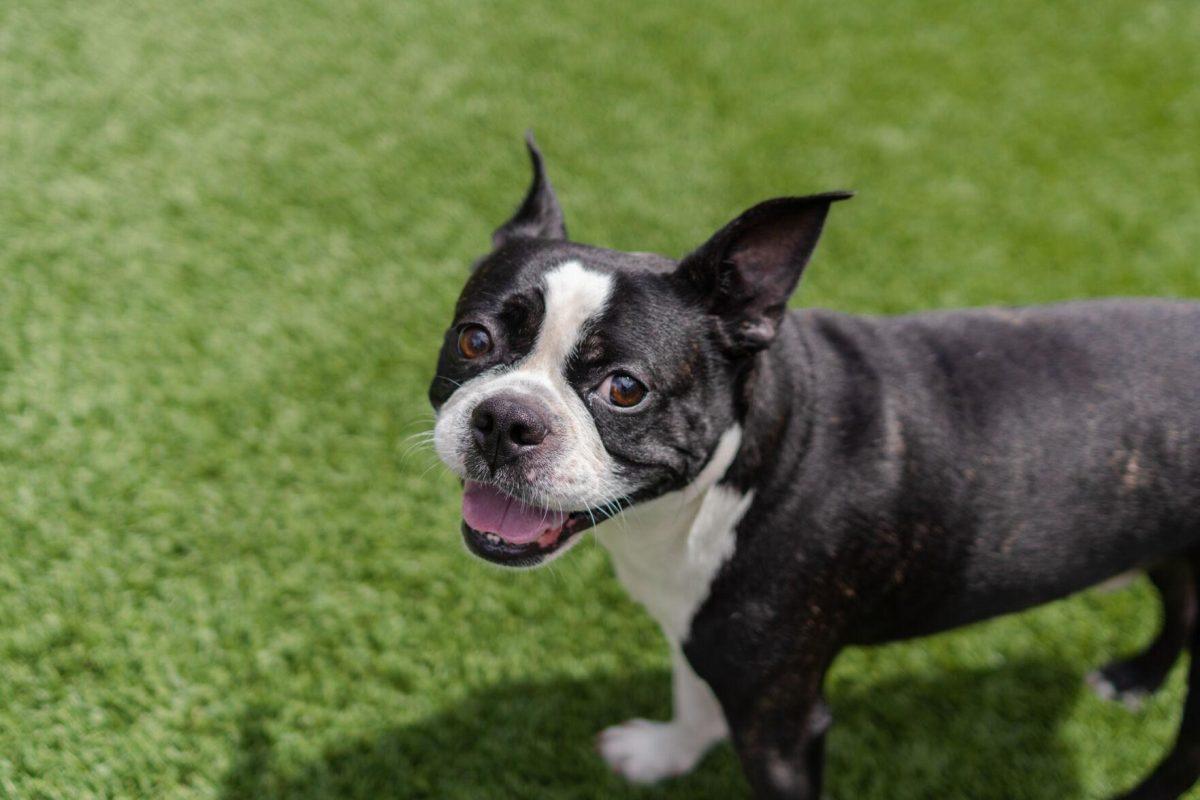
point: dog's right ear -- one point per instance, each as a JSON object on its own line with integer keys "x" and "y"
{"x": 539, "y": 216}
{"x": 745, "y": 273}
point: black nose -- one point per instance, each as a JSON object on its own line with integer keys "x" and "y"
{"x": 505, "y": 426}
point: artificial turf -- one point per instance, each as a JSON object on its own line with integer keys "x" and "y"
{"x": 231, "y": 233}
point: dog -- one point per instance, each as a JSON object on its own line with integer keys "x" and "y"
{"x": 792, "y": 482}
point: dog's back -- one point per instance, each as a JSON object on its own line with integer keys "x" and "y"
{"x": 1027, "y": 452}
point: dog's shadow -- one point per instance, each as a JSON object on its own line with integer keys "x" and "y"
{"x": 971, "y": 734}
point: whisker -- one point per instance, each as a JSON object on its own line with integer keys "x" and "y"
{"x": 414, "y": 445}
{"x": 426, "y": 419}
{"x": 414, "y": 441}
{"x": 428, "y": 469}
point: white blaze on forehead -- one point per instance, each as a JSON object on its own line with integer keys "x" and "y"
{"x": 573, "y": 296}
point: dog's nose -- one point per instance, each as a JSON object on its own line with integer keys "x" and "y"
{"x": 505, "y": 426}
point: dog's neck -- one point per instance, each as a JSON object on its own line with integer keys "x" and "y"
{"x": 667, "y": 551}
{"x": 776, "y": 397}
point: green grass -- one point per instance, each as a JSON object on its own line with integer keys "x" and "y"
{"x": 231, "y": 233}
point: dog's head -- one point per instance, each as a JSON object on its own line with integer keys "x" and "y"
{"x": 576, "y": 381}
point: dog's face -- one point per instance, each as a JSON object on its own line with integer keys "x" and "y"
{"x": 576, "y": 381}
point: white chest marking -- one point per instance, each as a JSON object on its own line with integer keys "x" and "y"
{"x": 667, "y": 551}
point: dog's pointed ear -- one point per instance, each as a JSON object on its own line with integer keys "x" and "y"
{"x": 747, "y": 271}
{"x": 539, "y": 216}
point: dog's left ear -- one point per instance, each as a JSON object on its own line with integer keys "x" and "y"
{"x": 539, "y": 216}
{"x": 749, "y": 268}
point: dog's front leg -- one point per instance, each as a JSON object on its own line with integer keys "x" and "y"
{"x": 643, "y": 751}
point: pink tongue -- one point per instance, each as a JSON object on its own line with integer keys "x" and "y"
{"x": 487, "y": 509}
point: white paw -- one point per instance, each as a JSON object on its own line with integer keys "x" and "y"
{"x": 644, "y": 752}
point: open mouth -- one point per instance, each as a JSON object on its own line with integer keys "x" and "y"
{"x": 500, "y": 528}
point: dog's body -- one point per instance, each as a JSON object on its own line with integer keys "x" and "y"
{"x": 947, "y": 467}
{"x": 792, "y": 483}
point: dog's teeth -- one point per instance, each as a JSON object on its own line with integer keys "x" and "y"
{"x": 493, "y": 538}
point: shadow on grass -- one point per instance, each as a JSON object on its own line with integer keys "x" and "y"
{"x": 972, "y": 734}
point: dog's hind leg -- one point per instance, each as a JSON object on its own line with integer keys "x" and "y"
{"x": 1131, "y": 680}
{"x": 1180, "y": 770}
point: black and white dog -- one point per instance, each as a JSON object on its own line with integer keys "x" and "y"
{"x": 789, "y": 483}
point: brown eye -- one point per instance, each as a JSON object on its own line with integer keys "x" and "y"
{"x": 474, "y": 341}
{"x": 624, "y": 390}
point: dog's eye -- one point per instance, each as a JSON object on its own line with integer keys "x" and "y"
{"x": 474, "y": 341}
{"x": 623, "y": 390}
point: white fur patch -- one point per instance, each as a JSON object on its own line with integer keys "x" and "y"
{"x": 584, "y": 475}
{"x": 666, "y": 553}
{"x": 574, "y": 295}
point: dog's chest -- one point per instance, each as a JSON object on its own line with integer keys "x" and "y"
{"x": 667, "y": 552}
